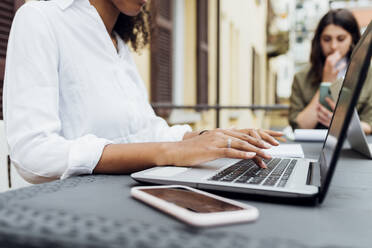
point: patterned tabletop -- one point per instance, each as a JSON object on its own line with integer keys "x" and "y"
{"x": 23, "y": 224}
{"x": 98, "y": 211}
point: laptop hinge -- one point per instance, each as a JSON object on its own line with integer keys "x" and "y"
{"x": 313, "y": 177}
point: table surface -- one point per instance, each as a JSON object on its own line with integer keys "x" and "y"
{"x": 98, "y": 211}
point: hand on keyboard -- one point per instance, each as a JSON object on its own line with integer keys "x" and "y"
{"x": 220, "y": 143}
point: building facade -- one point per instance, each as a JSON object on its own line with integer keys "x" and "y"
{"x": 194, "y": 70}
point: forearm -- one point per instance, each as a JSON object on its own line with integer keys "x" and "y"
{"x": 128, "y": 158}
{"x": 308, "y": 117}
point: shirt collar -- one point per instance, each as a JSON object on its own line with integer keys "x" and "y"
{"x": 64, "y": 4}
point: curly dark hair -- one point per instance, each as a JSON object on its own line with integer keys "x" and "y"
{"x": 339, "y": 17}
{"x": 134, "y": 30}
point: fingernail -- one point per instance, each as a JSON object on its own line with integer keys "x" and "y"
{"x": 250, "y": 154}
{"x": 267, "y": 155}
{"x": 267, "y": 145}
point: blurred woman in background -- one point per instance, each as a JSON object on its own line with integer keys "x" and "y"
{"x": 334, "y": 40}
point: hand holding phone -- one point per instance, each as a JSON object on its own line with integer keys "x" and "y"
{"x": 325, "y": 91}
{"x": 195, "y": 207}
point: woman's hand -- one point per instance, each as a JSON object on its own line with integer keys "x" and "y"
{"x": 266, "y": 137}
{"x": 223, "y": 143}
{"x": 255, "y": 136}
{"x": 323, "y": 114}
{"x": 330, "y": 71}
{"x": 366, "y": 127}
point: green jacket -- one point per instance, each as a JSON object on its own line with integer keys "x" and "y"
{"x": 303, "y": 91}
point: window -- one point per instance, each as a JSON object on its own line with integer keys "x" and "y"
{"x": 7, "y": 10}
{"x": 255, "y": 77}
{"x": 202, "y": 52}
{"x": 6, "y": 17}
{"x": 161, "y": 54}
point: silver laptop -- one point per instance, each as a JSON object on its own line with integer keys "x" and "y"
{"x": 356, "y": 137}
{"x": 284, "y": 177}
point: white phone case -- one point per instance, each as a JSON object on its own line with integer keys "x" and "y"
{"x": 248, "y": 213}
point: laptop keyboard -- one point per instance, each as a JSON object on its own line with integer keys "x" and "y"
{"x": 246, "y": 171}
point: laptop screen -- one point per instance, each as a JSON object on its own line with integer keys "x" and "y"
{"x": 349, "y": 94}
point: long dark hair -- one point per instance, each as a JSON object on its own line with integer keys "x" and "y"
{"x": 339, "y": 17}
{"x": 134, "y": 30}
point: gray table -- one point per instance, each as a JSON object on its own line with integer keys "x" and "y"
{"x": 97, "y": 211}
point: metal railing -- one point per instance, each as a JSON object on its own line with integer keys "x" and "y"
{"x": 218, "y": 108}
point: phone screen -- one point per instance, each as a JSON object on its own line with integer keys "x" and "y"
{"x": 191, "y": 200}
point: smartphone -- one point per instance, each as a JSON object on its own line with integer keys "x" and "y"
{"x": 195, "y": 207}
{"x": 325, "y": 91}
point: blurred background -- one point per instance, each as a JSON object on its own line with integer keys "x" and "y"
{"x": 216, "y": 63}
{"x": 223, "y": 63}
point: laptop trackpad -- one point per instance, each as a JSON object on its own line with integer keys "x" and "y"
{"x": 166, "y": 171}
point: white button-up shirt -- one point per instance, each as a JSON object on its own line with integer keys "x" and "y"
{"x": 68, "y": 92}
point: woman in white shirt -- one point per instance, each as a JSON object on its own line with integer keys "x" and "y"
{"x": 74, "y": 102}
